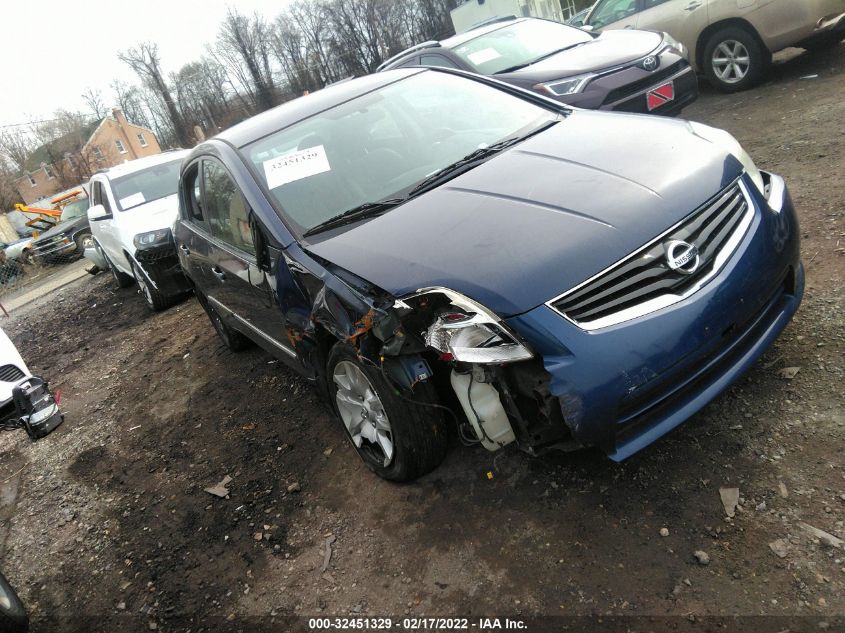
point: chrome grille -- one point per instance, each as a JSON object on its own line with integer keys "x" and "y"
{"x": 646, "y": 276}
{"x": 10, "y": 373}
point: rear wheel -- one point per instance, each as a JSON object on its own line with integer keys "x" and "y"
{"x": 734, "y": 59}
{"x": 155, "y": 299}
{"x": 231, "y": 338}
{"x": 397, "y": 439}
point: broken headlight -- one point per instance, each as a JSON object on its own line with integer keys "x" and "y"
{"x": 469, "y": 333}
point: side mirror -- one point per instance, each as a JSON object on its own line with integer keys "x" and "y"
{"x": 586, "y": 27}
{"x": 98, "y": 212}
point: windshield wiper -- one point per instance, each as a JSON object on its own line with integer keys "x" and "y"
{"x": 471, "y": 160}
{"x": 539, "y": 59}
{"x": 362, "y": 211}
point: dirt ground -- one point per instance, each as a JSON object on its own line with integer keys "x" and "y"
{"x": 106, "y": 525}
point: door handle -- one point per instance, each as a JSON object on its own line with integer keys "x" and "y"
{"x": 692, "y": 6}
{"x": 219, "y": 273}
{"x": 629, "y": 26}
{"x": 184, "y": 249}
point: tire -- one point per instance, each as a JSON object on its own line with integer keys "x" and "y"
{"x": 734, "y": 60}
{"x": 83, "y": 241}
{"x": 13, "y": 618}
{"x": 231, "y": 338}
{"x": 416, "y": 435}
{"x": 26, "y": 256}
{"x": 121, "y": 280}
{"x": 155, "y": 299}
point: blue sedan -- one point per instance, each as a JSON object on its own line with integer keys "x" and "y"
{"x": 442, "y": 253}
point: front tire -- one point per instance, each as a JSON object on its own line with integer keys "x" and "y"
{"x": 734, "y": 59}
{"x": 397, "y": 439}
{"x": 121, "y": 279}
{"x": 153, "y": 297}
{"x": 83, "y": 241}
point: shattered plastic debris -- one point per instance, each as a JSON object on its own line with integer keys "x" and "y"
{"x": 220, "y": 490}
{"x": 730, "y": 500}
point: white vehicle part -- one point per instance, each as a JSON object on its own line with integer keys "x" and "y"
{"x": 9, "y": 355}
{"x": 484, "y": 410}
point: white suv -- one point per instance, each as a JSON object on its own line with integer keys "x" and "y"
{"x": 730, "y": 41}
{"x": 133, "y": 208}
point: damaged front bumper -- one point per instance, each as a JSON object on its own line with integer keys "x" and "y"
{"x": 161, "y": 265}
{"x": 624, "y": 386}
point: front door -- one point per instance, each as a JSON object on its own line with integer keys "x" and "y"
{"x": 236, "y": 285}
{"x": 682, "y": 19}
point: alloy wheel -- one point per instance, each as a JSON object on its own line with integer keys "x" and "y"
{"x": 362, "y": 412}
{"x": 731, "y": 61}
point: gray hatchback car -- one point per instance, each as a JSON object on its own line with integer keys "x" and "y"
{"x": 630, "y": 70}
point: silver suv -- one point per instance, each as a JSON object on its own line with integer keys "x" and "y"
{"x": 730, "y": 41}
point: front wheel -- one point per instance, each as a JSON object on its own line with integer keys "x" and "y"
{"x": 83, "y": 241}
{"x": 734, "y": 59}
{"x": 153, "y": 297}
{"x": 398, "y": 438}
{"x": 121, "y": 279}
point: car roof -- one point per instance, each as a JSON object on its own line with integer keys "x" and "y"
{"x": 488, "y": 26}
{"x": 307, "y": 106}
{"x": 132, "y": 166}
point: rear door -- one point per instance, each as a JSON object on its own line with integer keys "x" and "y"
{"x": 682, "y": 19}
{"x": 237, "y": 286}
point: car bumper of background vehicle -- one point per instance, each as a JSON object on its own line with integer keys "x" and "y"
{"x": 623, "y": 387}
{"x": 162, "y": 268}
{"x": 53, "y": 250}
{"x": 684, "y": 87}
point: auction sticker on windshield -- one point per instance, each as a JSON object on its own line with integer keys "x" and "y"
{"x": 296, "y": 166}
{"x": 483, "y": 56}
{"x": 132, "y": 201}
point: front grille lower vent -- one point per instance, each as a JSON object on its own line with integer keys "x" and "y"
{"x": 645, "y": 275}
{"x": 10, "y": 373}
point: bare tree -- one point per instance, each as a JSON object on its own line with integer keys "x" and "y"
{"x": 244, "y": 45}
{"x": 144, "y": 60}
{"x": 16, "y": 144}
{"x": 94, "y": 100}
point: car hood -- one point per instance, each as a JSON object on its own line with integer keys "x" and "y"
{"x": 64, "y": 227}
{"x": 541, "y": 217}
{"x": 609, "y": 49}
{"x": 156, "y": 214}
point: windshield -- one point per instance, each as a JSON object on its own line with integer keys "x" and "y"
{"x": 518, "y": 44}
{"x": 74, "y": 209}
{"x": 147, "y": 185}
{"x": 383, "y": 143}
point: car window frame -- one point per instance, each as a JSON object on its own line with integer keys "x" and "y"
{"x": 452, "y": 64}
{"x": 232, "y": 249}
{"x": 185, "y": 212}
{"x": 638, "y": 8}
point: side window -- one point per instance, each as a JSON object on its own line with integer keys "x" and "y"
{"x": 648, "y": 4}
{"x": 413, "y": 61}
{"x": 98, "y": 196}
{"x": 95, "y": 192}
{"x": 437, "y": 60}
{"x": 192, "y": 195}
{"x": 610, "y": 11}
{"x": 226, "y": 208}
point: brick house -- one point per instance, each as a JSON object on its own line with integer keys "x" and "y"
{"x": 71, "y": 159}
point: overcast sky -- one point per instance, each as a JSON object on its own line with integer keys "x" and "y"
{"x": 51, "y": 50}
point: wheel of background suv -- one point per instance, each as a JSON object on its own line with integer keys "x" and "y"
{"x": 83, "y": 241}
{"x": 397, "y": 439}
{"x": 734, "y": 59}
{"x": 13, "y": 617}
{"x": 121, "y": 280}
{"x": 155, "y": 300}
{"x": 231, "y": 338}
